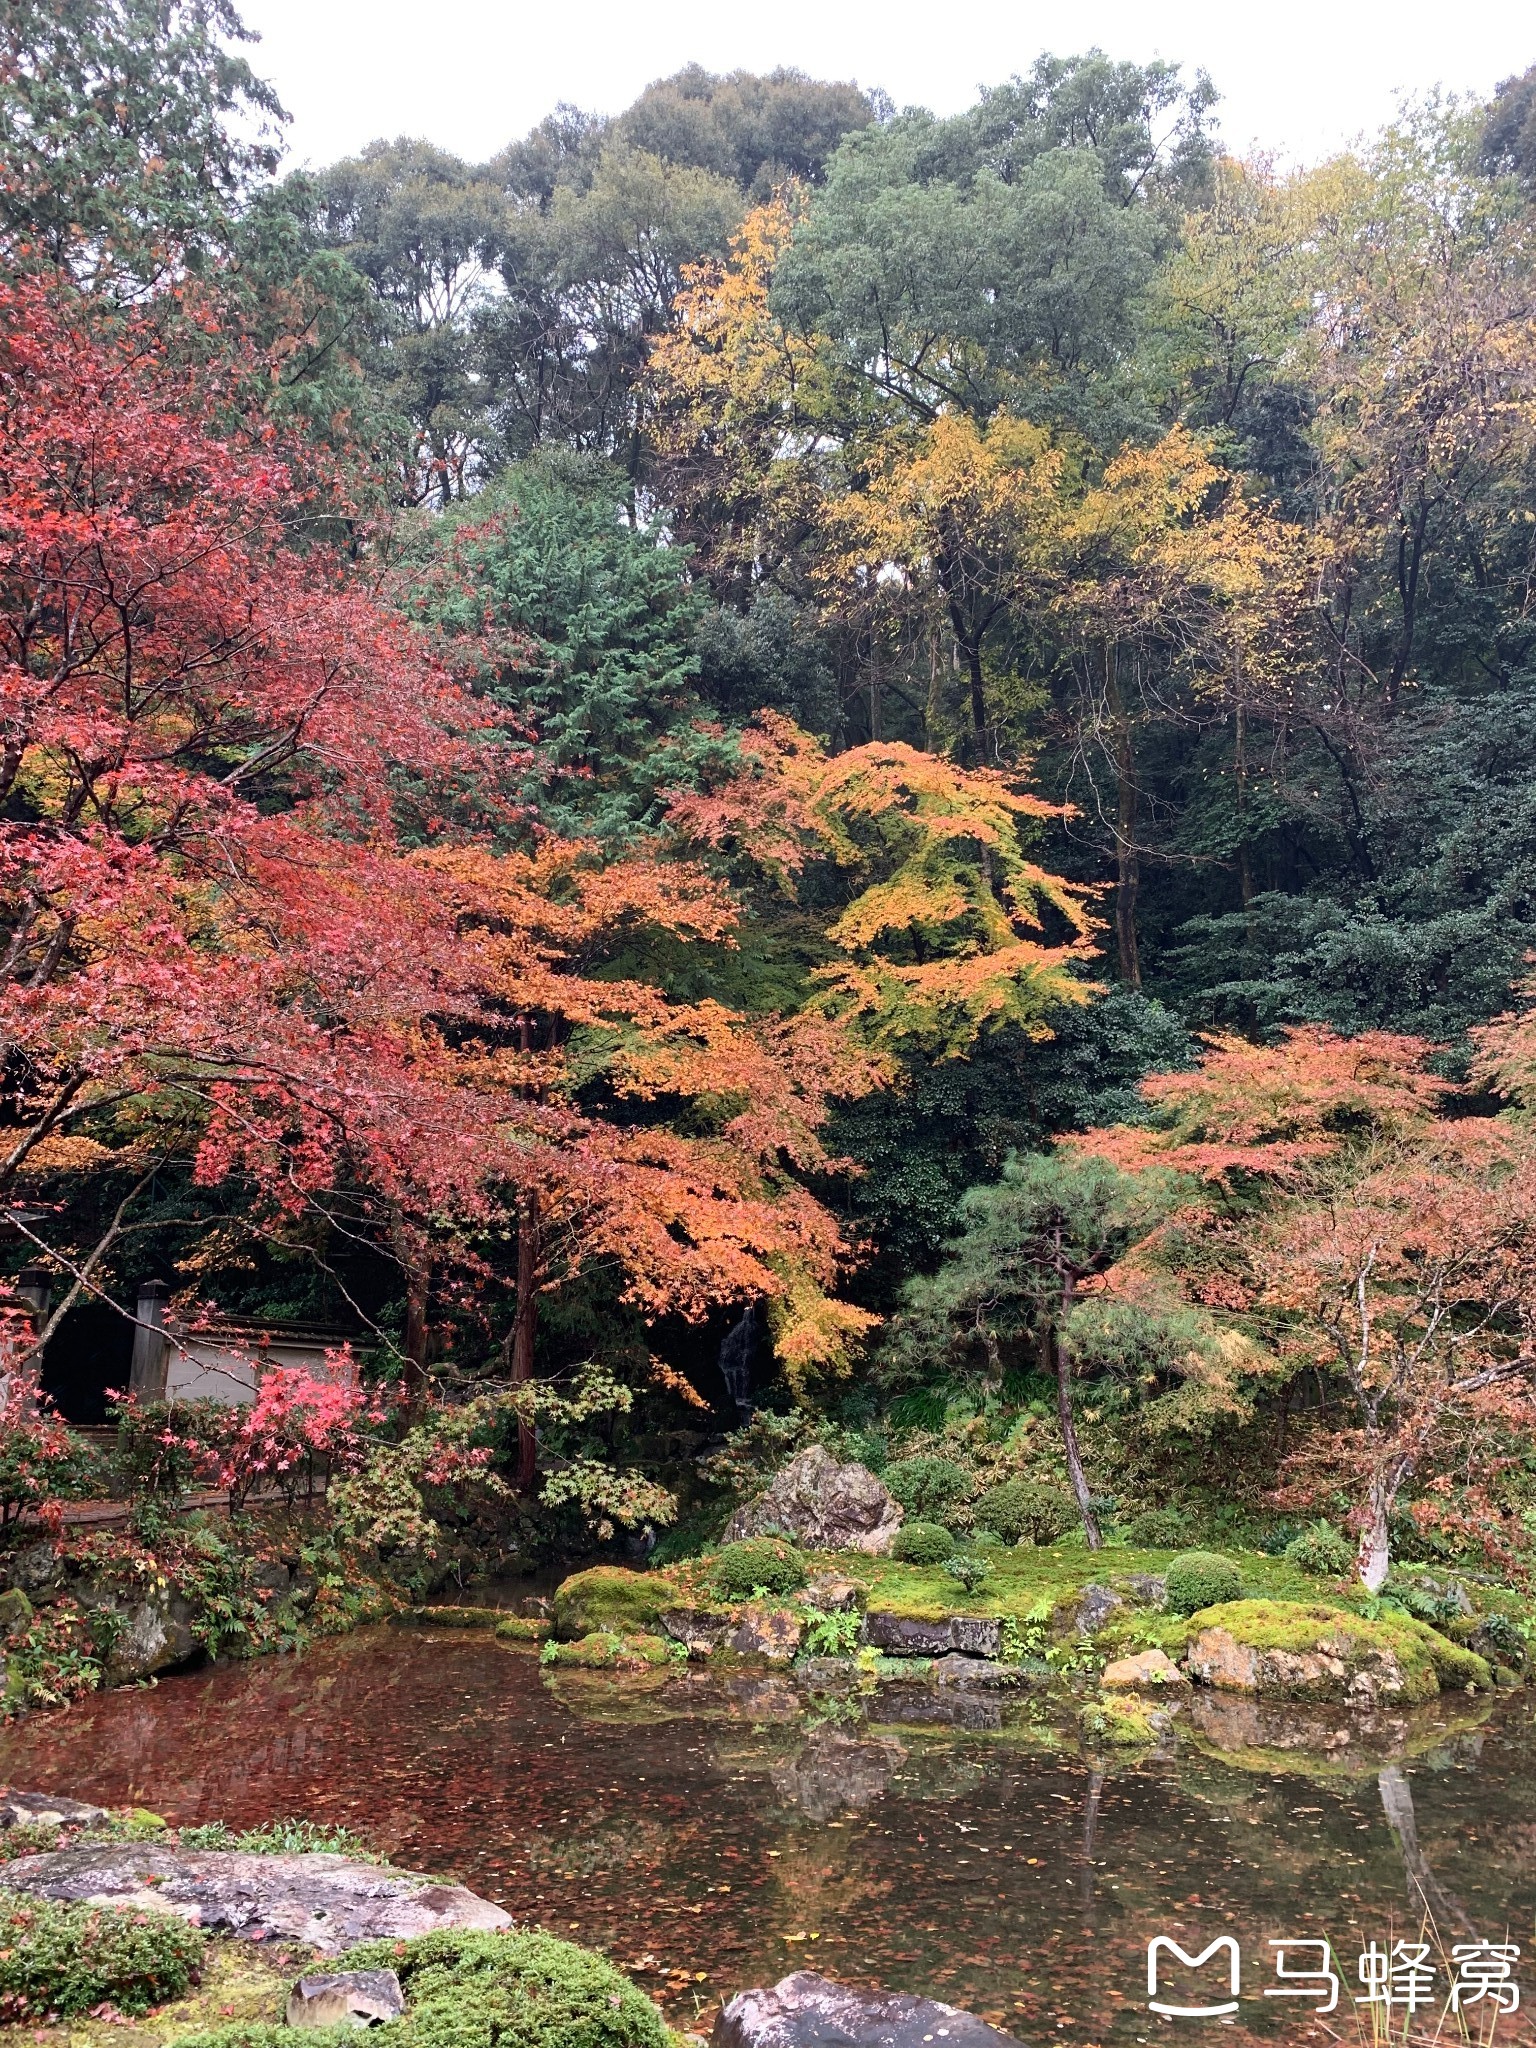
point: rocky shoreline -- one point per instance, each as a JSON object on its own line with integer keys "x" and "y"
{"x": 380, "y": 1927}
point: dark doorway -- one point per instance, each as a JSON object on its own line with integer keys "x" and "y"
{"x": 91, "y": 1350}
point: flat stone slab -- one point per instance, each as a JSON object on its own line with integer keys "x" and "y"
{"x": 971, "y": 1635}
{"x": 976, "y": 1672}
{"x": 47, "y": 1810}
{"x": 324, "y": 1900}
{"x": 805, "y": 2011}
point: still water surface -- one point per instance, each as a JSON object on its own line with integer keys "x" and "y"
{"x": 710, "y": 1835}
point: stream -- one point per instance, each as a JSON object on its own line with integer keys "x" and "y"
{"x": 710, "y": 1834}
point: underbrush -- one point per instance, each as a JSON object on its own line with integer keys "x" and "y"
{"x": 70, "y": 1959}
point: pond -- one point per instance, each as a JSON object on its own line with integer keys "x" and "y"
{"x": 710, "y": 1834}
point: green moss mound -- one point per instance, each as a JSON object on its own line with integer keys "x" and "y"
{"x": 922, "y": 1543}
{"x": 928, "y": 1488}
{"x": 608, "y": 1597}
{"x": 1121, "y": 1723}
{"x": 1427, "y": 1659}
{"x": 1202, "y": 1578}
{"x": 604, "y": 1651}
{"x": 1321, "y": 1551}
{"x": 68, "y": 1958}
{"x": 1023, "y": 1510}
{"x": 761, "y": 1563}
{"x": 464, "y": 1990}
{"x": 522, "y": 1628}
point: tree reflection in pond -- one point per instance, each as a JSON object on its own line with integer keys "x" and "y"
{"x": 713, "y": 1835}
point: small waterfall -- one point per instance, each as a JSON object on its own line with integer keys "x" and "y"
{"x": 736, "y": 1353}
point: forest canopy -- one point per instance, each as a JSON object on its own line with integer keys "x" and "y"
{"x": 910, "y": 733}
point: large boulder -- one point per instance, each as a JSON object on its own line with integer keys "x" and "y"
{"x": 823, "y": 1505}
{"x": 328, "y": 1902}
{"x": 146, "y": 1634}
{"x": 805, "y": 2011}
{"x": 1315, "y": 1652}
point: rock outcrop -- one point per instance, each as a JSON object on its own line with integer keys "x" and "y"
{"x": 1317, "y": 1652}
{"x": 822, "y": 1505}
{"x": 805, "y": 2011}
{"x": 972, "y": 1635}
{"x": 325, "y": 1901}
{"x": 771, "y": 1632}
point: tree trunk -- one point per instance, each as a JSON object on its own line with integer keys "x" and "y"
{"x": 1374, "y": 1558}
{"x": 978, "y": 698}
{"x": 1075, "y": 1470}
{"x": 1127, "y": 857}
{"x": 411, "y": 1258}
{"x": 1244, "y": 849}
{"x": 524, "y": 1330}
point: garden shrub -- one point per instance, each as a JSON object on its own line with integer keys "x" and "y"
{"x": 1157, "y": 1529}
{"x": 1322, "y": 1551}
{"x": 967, "y": 1570}
{"x": 608, "y": 1597}
{"x": 68, "y": 1958}
{"x": 922, "y": 1543}
{"x": 1024, "y": 1509}
{"x": 762, "y": 1562}
{"x": 927, "y": 1487}
{"x": 467, "y": 1990}
{"x": 519, "y": 1990}
{"x": 1202, "y": 1578}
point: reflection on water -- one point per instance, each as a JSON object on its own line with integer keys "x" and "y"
{"x": 711, "y": 1834}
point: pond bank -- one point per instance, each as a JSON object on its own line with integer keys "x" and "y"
{"x": 708, "y": 1832}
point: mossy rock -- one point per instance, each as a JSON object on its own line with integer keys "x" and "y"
{"x": 1122, "y": 1723}
{"x": 1313, "y": 1651}
{"x": 603, "y": 1650}
{"x": 608, "y": 1597}
{"x": 468, "y": 1990}
{"x": 522, "y": 1628}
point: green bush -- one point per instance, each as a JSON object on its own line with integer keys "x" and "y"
{"x": 1157, "y": 1529}
{"x": 922, "y": 1543}
{"x": 1321, "y": 1550}
{"x": 927, "y": 1487}
{"x": 67, "y": 1958}
{"x": 741, "y": 1569}
{"x": 1202, "y": 1578}
{"x": 514, "y": 1990}
{"x": 467, "y": 1990}
{"x": 986, "y": 1539}
{"x": 1024, "y": 1510}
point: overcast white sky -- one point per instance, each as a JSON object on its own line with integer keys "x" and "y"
{"x": 1298, "y": 77}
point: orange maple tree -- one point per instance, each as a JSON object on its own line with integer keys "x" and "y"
{"x": 1344, "y": 1215}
